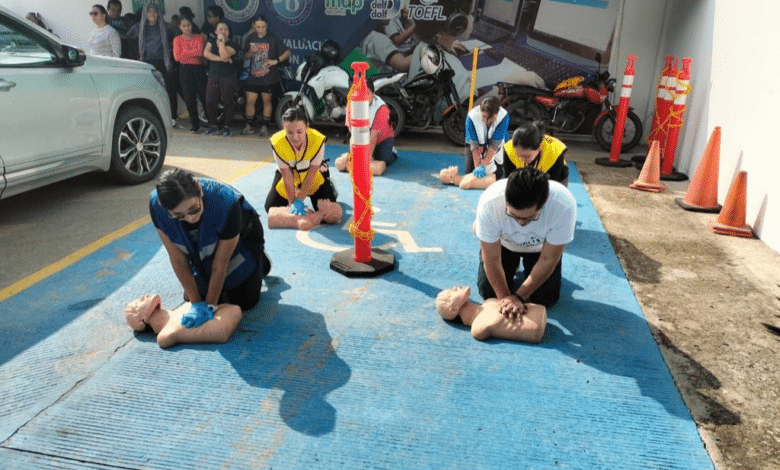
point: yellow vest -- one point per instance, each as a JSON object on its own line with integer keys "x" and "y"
{"x": 314, "y": 142}
{"x": 549, "y": 151}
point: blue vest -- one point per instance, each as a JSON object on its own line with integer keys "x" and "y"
{"x": 218, "y": 199}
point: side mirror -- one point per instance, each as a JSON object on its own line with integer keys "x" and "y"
{"x": 73, "y": 57}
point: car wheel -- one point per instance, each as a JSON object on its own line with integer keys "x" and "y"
{"x": 138, "y": 146}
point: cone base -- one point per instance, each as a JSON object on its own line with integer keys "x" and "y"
{"x": 640, "y": 159}
{"x": 694, "y": 208}
{"x": 617, "y": 163}
{"x": 721, "y": 229}
{"x": 651, "y": 188}
{"x": 674, "y": 176}
{"x": 344, "y": 263}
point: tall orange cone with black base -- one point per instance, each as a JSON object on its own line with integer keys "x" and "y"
{"x": 650, "y": 177}
{"x": 702, "y": 194}
{"x": 731, "y": 220}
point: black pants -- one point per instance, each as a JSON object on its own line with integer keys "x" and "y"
{"x": 171, "y": 85}
{"x": 192, "y": 79}
{"x": 221, "y": 88}
{"x": 547, "y": 294}
{"x": 274, "y": 199}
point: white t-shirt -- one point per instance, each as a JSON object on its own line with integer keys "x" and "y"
{"x": 105, "y": 41}
{"x": 555, "y": 225}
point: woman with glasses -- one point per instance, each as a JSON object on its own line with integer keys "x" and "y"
{"x": 104, "y": 40}
{"x": 531, "y": 147}
{"x": 214, "y": 15}
{"x": 214, "y": 240}
{"x": 302, "y": 172}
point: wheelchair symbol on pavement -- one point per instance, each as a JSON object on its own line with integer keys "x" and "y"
{"x": 387, "y": 228}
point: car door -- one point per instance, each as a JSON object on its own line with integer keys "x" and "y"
{"x": 49, "y": 112}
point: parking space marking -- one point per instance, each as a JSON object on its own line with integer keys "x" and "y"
{"x": 87, "y": 250}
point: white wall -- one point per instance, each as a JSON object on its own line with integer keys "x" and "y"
{"x": 70, "y": 19}
{"x": 745, "y": 102}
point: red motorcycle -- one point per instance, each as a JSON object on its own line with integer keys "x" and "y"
{"x": 569, "y": 106}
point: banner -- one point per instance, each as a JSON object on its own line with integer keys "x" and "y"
{"x": 536, "y": 43}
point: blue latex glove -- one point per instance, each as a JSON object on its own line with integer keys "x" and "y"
{"x": 198, "y": 314}
{"x": 479, "y": 172}
{"x": 298, "y": 207}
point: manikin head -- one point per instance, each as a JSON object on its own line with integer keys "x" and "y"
{"x": 138, "y": 311}
{"x": 450, "y": 301}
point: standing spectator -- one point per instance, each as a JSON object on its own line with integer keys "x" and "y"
{"x": 265, "y": 52}
{"x": 186, "y": 12}
{"x": 214, "y": 15}
{"x": 154, "y": 48}
{"x": 121, "y": 24}
{"x": 104, "y": 40}
{"x": 222, "y": 82}
{"x": 188, "y": 52}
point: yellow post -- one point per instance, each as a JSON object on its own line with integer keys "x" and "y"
{"x": 473, "y": 77}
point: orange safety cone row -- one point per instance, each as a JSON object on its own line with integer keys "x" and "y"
{"x": 702, "y": 194}
{"x": 731, "y": 220}
{"x": 650, "y": 177}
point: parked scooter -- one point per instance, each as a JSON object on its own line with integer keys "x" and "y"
{"x": 566, "y": 109}
{"x": 428, "y": 99}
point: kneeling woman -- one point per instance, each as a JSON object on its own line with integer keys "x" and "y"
{"x": 299, "y": 152}
{"x": 213, "y": 238}
{"x": 531, "y": 147}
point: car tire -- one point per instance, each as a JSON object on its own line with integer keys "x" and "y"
{"x": 138, "y": 146}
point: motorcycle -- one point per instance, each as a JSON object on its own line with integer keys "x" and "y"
{"x": 566, "y": 108}
{"x": 420, "y": 100}
{"x": 323, "y": 90}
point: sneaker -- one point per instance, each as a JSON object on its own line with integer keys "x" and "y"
{"x": 213, "y": 130}
{"x": 263, "y": 131}
{"x": 247, "y": 130}
{"x": 174, "y": 124}
{"x": 225, "y": 132}
{"x": 194, "y": 130}
{"x": 266, "y": 263}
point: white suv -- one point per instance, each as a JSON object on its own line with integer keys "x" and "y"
{"x": 63, "y": 113}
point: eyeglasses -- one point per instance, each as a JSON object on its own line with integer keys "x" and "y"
{"x": 94, "y": 13}
{"x": 524, "y": 220}
{"x": 190, "y": 212}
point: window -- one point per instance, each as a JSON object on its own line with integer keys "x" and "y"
{"x": 19, "y": 49}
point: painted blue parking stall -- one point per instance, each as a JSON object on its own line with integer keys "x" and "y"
{"x": 336, "y": 372}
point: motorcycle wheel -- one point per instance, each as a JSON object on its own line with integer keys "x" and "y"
{"x": 605, "y": 127}
{"x": 521, "y": 113}
{"x": 454, "y": 126}
{"x": 285, "y": 103}
{"x": 397, "y": 116}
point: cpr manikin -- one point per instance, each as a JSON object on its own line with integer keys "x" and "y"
{"x": 328, "y": 212}
{"x": 147, "y": 311}
{"x": 450, "y": 175}
{"x": 486, "y": 321}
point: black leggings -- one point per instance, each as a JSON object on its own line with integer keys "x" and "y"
{"x": 192, "y": 79}
{"x": 547, "y": 294}
{"x": 221, "y": 88}
{"x": 274, "y": 199}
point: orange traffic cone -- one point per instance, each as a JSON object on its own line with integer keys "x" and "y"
{"x": 650, "y": 177}
{"x": 702, "y": 195}
{"x": 731, "y": 220}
